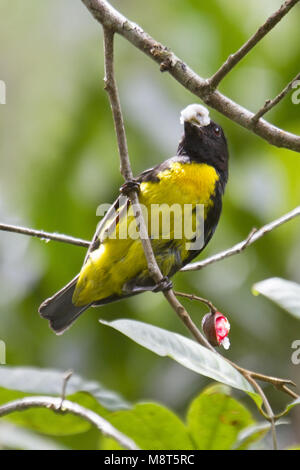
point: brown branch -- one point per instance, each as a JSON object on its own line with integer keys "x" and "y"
{"x": 235, "y": 58}
{"x": 241, "y": 246}
{"x": 153, "y": 268}
{"x": 111, "y": 18}
{"x": 68, "y": 374}
{"x": 46, "y": 236}
{"x": 54, "y": 404}
{"x": 207, "y": 302}
{"x": 253, "y": 236}
{"x": 269, "y": 104}
{"x": 112, "y": 90}
{"x": 269, "y": 415}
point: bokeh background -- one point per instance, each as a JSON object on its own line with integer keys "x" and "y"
{"x": 59, "y": 161}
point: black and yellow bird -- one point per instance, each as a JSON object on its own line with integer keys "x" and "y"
{"x": 115, "y": 266}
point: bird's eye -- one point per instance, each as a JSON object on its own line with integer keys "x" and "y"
{"x": 217, "y": 131}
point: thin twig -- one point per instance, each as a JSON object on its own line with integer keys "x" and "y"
{"x": 186, "y": 319}
{"x": 45, "y": 235}
{"x": 153, "y": 268}
{"x": 270, "y": 414}
{"x": 235, "y": 58}
{"x": 207, "y": 302}
{"x": 269, "y": 104}
{"x": 54, "y": 404}
{"x": 111, "y": 18}
{"x": 112, "y": 90}
{"x": 290, "y": 392}
{"x": 241, "y": 246}
{"x": 253, "y": 236}
{"x": 66, "y": 379}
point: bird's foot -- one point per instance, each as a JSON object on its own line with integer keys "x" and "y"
{"x": 164, "y": 285}
{"x": 129, "y": 186}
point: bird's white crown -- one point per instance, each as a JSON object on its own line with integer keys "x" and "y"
{"x": 196, "y": 114}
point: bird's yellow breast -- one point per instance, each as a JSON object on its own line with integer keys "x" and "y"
{"x": 188, "y": 183}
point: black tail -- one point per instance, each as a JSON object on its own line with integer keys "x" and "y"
{"x": 59, "y": 309}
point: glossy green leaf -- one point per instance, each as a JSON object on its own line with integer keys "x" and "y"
{"x": 215, "y": 419}
{"x": 107, "y": 443}
{"x": 48, "y": 422}
{"x": 183, "y": 350}
{"x": 284, "y": 293}
{"x": 25, "y": 381}
{"x": 290, "y": 406}
{"x": 16, "y": 438}
{"x": 31, "y": 380}
{"x": 253, "y": 434}
{"x": 152, "y": 427}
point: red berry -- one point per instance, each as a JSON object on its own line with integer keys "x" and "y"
{"x": 216, "y": 329}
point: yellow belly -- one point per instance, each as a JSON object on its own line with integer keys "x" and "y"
{"x": 117, "y": 261}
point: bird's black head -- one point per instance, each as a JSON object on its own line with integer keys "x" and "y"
{"x": 204, "y": 140}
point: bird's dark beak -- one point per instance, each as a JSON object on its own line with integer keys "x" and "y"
{"x": 192, "y": 127}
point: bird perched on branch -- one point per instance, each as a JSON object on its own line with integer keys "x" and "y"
{"x": 170, "y": 194}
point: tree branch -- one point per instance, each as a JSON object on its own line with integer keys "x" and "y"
{"x": 111, "y": 88}
{"x": 269, "y": 415}
{"x": 269, "y": 104}
{"x": 55, "y": 404}
{"x": 235, "y": 58}
{"x": 153, "y": 268}
{"x": 235, "y": 250}
{"x": 207, "y": 302}
{"x": 46, "y": 236}
{"x": 168, "y": 61}
{"x": 241, "y": 246}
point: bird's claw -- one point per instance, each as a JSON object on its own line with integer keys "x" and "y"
{"x": 164, "y": 285}
{"x": 129, "y": 186}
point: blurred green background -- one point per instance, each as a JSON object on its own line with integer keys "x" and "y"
{"x": 59, "y": 161}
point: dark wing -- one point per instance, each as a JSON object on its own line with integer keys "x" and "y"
{"x": 108, "y": 220}
{"x": 152, "y": 173}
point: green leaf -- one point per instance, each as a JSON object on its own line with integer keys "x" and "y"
{"x": 107, "y": 443}
{"x": 152, "y": 427}
{"x": 31, "y": 380}
{"x": 48, "y": 422}
{"x": 26, "y": 381}
{"x": 183, "y": 350}
{"x": 290, "y": 406}
{"x": 215, "y": 419}
{"x": 254, "y": 434}
{"x": 284, "y": 293}
{"x": 13, "y": 437}
{"x": 257, "y": 399}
